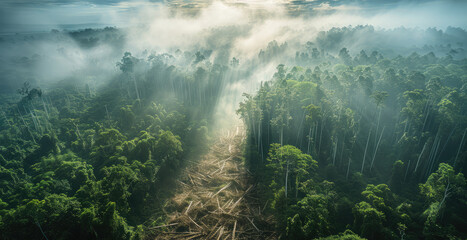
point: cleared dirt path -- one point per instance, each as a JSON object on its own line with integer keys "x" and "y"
{"x": 216, "y": 199}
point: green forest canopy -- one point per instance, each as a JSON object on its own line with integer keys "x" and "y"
{"x": 341, "y": 145}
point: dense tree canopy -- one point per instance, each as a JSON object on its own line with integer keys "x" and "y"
{"x": 366, "y": 124}
{"x": 341, "y": 142}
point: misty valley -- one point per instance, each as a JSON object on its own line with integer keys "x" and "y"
{"x": 266, "y": 125}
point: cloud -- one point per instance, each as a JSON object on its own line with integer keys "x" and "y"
{"x": 327, "y": 7}
{"x": 116, "y": 12}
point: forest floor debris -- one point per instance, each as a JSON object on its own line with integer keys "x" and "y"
{"x": 215, "y": 198}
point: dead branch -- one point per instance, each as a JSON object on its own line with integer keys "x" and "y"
{"x": 161, "y": 226}
{"x": 235, "y": 228}
{"x": 188, "y": 208}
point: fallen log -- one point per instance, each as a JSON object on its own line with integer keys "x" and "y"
{"x": 253, "y": 224}
{"x": 161, "y": 226}
{"x": 222, "y": 189}
{"x": 188, "y": 208}
{"x": 234, "y": 229}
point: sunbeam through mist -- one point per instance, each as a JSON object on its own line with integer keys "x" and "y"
{"x": 233, "y": 119}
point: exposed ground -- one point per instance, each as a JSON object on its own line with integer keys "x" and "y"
{"x": 215, "y": 199}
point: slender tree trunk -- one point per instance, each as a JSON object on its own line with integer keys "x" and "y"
{"x": 40, "y": 228}
{"x": 405, "y": 127}
{"x": 408, "y": 128}
{"x": 286, "y": 178}
{"x": 259, "y": 134}
{"x": 320, "y": 135}
{"x": 377, "y": 125}
{"x": 348, "y": 169}
{"x": 309, "y": 141}
{"x": 431, "y": 153}
{"x": 342, "y": 150}
{"x": 364, "y": 153}
{"x": 262, "y": 153}
{"x": 252, "y": 124}
{"x": 299, "y": 129}
{"x": 315, "y": 135}
{"x": 376, "y": 150}
{"x": 433, "y": 158}
{"x": 34, "y": 121}
{"x": 460, "y": 147}
{"x": 394, "y": 136}
{"x": 446, "y": 195}
{"x": 419, "y": 156}
{"x": 108, "y": 116}
{"x": 335, "y": 152}
{"x": 282, "y": 135}
{"x": 269, "y": 130}
{"x": 447, "y": 140}
{"x": 426, "y": 116}
{"x": 407, "y": 170}
{"x": 27, "y": 127}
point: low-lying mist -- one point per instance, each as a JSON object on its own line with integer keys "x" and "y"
{"x": 259, "y": 36}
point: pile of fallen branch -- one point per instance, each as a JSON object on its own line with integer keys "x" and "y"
{"x": 215, "y": 199}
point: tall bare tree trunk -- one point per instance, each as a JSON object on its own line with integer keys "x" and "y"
{"x": 366, "y": 147}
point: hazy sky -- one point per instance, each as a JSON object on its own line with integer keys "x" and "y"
{"x": 411, "y": 13}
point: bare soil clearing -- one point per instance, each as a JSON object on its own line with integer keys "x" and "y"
{"x": 216, "y": 198}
